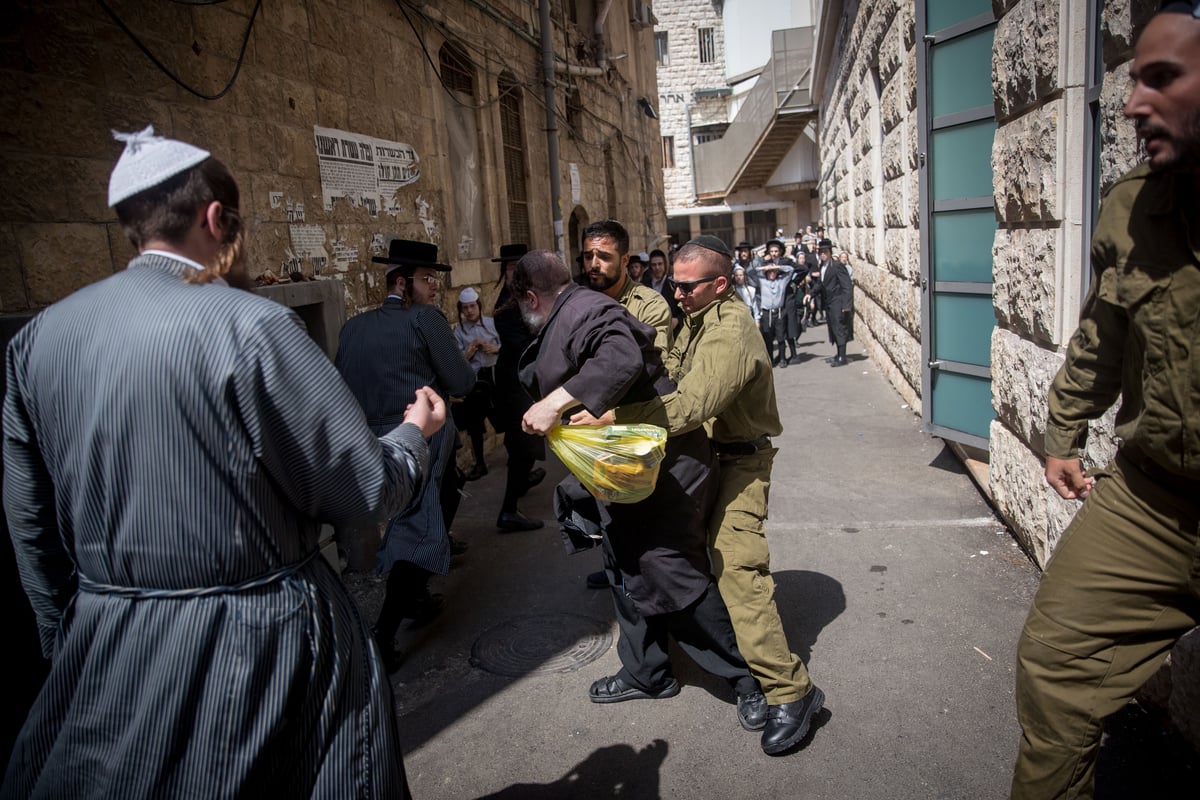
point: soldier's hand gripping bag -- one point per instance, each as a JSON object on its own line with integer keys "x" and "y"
{"x": 616, "y": 463}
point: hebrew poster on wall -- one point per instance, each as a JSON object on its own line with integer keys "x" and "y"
{"x": 363, "y": 169}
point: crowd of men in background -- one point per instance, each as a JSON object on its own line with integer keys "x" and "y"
{"x": 788, "y": 292}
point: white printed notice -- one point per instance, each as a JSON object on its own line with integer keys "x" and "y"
{"x": 364, "y": 170}
{"x": 308, "y": 242}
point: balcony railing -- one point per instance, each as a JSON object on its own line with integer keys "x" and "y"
{"x": 781, "y": 88}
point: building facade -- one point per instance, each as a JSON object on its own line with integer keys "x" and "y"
{"x": 346, "y": 122}
{"x": 739, "y": 140}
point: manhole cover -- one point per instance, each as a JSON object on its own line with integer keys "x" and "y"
{"x": 541, "y": 644}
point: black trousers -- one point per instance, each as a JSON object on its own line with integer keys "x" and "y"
{"x": 407, "y": 588}
{"x": 702, "y": 630}
{"x": 773, "y": 326}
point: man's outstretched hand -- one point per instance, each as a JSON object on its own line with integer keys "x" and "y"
{"x": 427, "y": 411}
{"x": 1065, "y": 476}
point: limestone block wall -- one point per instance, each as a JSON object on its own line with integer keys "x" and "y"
{"x": 678, "y": 82}
{"x": 1039, "y": 255}
{"x": 869, "y": 188}
{"x": 360, "y": 66}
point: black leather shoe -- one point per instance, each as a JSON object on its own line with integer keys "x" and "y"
{"x": 752, "y": 711}
{"x": 476, "y": 472}
{"x": 614, "y": 690}
{"x": 788, "y": 723}
{"x": 597, "y": 580}
{"x": 513, "y": 521}
{"x": 783, "y": 363}
{"x": 838, "y": 362}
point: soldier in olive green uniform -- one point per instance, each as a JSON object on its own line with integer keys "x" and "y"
{"x": 1124, "y": 582}
{"x": 725, "y": 384}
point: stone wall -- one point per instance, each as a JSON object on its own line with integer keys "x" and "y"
{"x": 1039, "y": 255}
{"x": 868, "y": 146}
{"x": 71, "y": 75}
{"x": 678, "y": 82}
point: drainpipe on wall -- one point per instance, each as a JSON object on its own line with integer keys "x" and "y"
{"x": 551, "y": 124}
{"x": 691, "y": 152}
{"x": 601, "y": 53}
{"x": 598, "y": 32}
{"x": 574, "y": 69}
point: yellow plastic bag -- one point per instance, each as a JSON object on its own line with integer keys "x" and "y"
{"x": 617, "y": 463}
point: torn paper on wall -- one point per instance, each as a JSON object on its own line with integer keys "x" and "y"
{"x": 364, "y": 170}
{"x": 344, "y": 255}
{"x": 308, "y": 247}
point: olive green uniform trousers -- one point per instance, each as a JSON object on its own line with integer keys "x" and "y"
{"x": 742, "y": 564}
{"x": 1121, "y": 588}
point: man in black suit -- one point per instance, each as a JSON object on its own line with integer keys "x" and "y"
{"x": 511, "y": 401}
{"x": 589, "y": 351}
{"x": 838, "y": 293}
{"x": 384, "y": 355}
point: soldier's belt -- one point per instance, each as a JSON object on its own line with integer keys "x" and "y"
{"x": 743, "y": 448}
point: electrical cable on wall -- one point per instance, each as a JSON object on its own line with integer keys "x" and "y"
{"x": 154, "y": 59}
{"x": 453, "y": 94}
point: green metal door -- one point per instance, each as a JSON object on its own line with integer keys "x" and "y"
{"x": 958, "y": 218}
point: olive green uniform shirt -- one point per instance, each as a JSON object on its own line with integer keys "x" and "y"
{"x": 722, "y": 374}
{"x": 1139, "y": 331}
{"x": 650, "y": 307}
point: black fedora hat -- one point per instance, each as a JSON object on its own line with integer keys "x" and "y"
{"x": 824, "y": 244}
{"x": 408, "y": 253}
{"x": 775, "y": 242}
{"x": 512, "y": 252}
{"x": 744, "y": 245}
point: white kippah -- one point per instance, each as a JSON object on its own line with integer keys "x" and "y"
{"x": 148, "y": 160}
{"x": 645, "y": 257}
{"x": 468, "y": 295}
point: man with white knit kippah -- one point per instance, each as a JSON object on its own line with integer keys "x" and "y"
{"x": 172, "y": 446}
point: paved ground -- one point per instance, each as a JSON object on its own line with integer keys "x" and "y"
{"x": 896, "y": 583}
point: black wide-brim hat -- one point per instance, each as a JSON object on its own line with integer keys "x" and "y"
{"x": 744, "y": 246}
{"x": 407, "y": 253}
{"x": 775, "y": 242}
{"x": 512, "y": 252}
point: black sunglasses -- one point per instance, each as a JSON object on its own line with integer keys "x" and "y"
{"x": 687, "y": 287}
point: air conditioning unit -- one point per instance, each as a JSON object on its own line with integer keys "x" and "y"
{"x": 641, "y": 15}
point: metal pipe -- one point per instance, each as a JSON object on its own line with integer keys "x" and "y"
{"x": 551, "y": 123}
{"x": 598, "y": 30}
{"x": 574, "y": 69}
{"x": 691, "y": 152}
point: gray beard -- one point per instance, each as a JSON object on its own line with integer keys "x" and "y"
{"x": 534, "y": 321}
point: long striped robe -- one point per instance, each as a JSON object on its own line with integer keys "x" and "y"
{"x": 170, "y": 451}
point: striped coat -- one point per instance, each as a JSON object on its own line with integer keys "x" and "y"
{"x": 170, "y": 451}
{"x": 385, "y": 355}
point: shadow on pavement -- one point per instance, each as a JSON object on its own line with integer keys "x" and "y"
{"x": 807, "y": 602}
{"x": 947, "y": 461}
{"x": 616, "y": 771}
